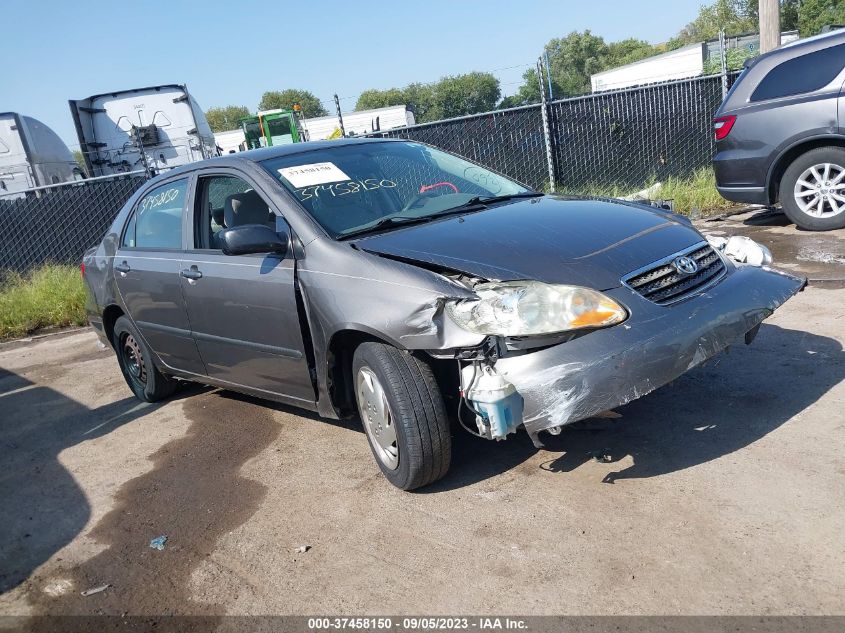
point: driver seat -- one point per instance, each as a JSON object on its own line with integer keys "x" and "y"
{"x": 240, "y": 209}
{"x": 245, "y": 208}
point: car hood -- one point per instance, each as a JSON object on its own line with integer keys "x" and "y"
{"x": 591, "y": 243}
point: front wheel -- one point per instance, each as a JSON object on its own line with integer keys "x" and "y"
{"x": 402, "y": 411}
{"x": 135, "y": 360}
{"x": 812, "y": 190}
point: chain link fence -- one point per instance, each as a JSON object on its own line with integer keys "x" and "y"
{"x": 60, "y": 222}
{"x": 625, "y": 140}
{"x": 609, "y": 141}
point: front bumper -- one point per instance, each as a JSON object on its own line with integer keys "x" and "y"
{"x": 608, "y": 368}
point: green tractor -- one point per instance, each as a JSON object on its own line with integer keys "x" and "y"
{"x": 272, "y": 127}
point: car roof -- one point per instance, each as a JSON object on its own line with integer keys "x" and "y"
{"x": 267, "y": 153}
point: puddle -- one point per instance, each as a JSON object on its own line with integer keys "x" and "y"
{"x": 194, "y": 494}
{"x": 819, "y": 255}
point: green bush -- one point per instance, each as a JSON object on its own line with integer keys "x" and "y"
{"x": 50, "y": 296}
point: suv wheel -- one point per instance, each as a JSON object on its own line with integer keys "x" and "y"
{"x": 403, "y": 415}
{"x": 812, "y": 190}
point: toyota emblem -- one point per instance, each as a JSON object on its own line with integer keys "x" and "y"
{"x": 686, "y": 265}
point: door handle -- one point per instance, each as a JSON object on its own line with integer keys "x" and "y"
{"x": 191, "y": 274}
{"x": 122, "y": 268}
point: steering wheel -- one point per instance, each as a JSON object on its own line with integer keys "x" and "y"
{"x": 426, "y": 188}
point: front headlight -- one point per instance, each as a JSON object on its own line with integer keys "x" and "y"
{"x": 523, "y": 308}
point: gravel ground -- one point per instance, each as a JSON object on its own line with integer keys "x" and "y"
{"x": 723, "y": 493}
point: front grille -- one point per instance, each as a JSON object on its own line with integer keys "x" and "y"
{"x": 663, "y": 284}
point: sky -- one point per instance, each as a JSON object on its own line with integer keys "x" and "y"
{"x": 231, "y": 52}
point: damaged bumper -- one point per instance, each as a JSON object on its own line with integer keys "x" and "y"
{"x": 608, "y": 368}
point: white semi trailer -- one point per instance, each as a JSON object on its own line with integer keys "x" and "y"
{"x": 154, "y": 128}
{"x": 32, "y": 155}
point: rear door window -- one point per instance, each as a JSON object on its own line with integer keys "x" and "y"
{"x": 801, "y": 75}
{"x": 156, "y": 222}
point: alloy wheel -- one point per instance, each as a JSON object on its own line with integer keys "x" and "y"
{"x": 820, "y": 190}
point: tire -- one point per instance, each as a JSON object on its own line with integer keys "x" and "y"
{"x": 136, "y": 362}
{"x": 823, "y": 215}
{"x": 414, "y": 410}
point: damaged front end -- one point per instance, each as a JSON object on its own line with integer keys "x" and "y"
{"x": 674, "y": 321}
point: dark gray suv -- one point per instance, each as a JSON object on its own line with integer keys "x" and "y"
{"x": 780, "y": 136}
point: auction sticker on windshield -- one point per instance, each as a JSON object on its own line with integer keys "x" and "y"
{"x": 312, "y": 174}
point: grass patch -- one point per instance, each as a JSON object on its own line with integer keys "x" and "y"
{"x": 695, "y": 194}
{"x": 50, "y": 296}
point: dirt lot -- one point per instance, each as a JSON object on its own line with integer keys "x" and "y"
{"x": 724, "y": 493}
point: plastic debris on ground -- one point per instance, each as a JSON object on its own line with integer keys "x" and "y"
{"x": 158, "y": 542}
{"x": 302, "y": 549}
{"x": 93, "y": 590}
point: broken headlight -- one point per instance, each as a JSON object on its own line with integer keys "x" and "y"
{"x": 524, "y": 308}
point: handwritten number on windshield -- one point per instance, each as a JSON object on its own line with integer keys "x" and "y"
{"x": 337, "y": 189}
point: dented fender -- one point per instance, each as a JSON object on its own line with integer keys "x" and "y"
{"x": 344, "y": 289}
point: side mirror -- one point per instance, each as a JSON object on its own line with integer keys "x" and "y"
{"x": 252, "y": 238}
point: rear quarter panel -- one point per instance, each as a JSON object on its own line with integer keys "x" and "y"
{"x": 764, "y": 130}
{"x": 99, "y": 277}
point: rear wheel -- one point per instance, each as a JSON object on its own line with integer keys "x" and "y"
{"x": 135, "y": 360}
{"x": 812, "y": 190}
{"x": 403, "y": 415}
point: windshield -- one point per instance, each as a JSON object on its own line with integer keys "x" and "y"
{"x": 350, "y": 188}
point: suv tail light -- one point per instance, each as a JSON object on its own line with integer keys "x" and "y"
{"x": 722, "y": 126}
{"x": 82, "y": 269}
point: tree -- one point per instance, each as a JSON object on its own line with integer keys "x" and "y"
{"x": 732, "y": 16}
{"x": 529, "y": 91}
{"x": 814, "y": 14}
{"x": 450, "y": 97}
{"x": 627, "y": 52}
{"x": 420, "y": 99}
{"x": 573, "y": 59}
{"x": 459, "y": 95}
{"x": 371, "y": 99}
{"x": 311, "y": 105}
{"x": 225, "y": 118}
{"x": 789, "y": 14}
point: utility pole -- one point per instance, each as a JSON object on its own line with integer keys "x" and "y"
{"x": 723, "y": 55}
{"x": 339, "y": 116}
{"x": 769, "y": 12}
{"x": 547, "y": 136}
